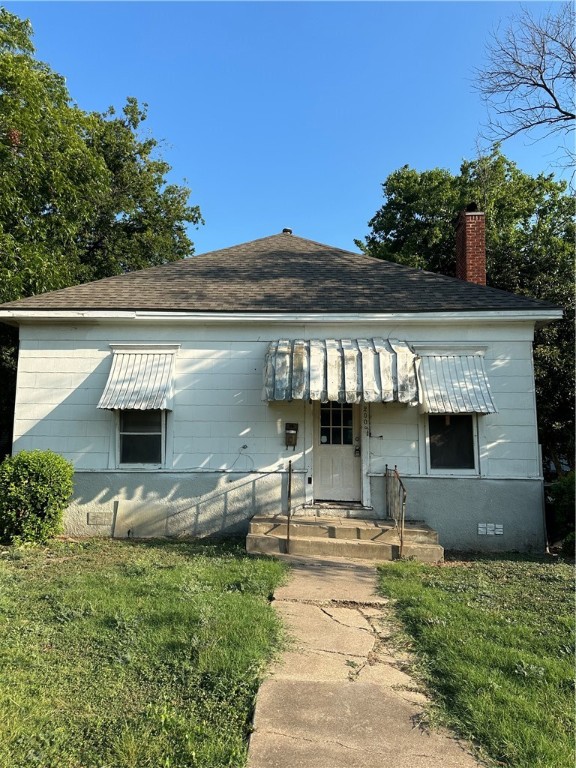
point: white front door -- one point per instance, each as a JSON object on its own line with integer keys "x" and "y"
{"x": 337, "y": 462}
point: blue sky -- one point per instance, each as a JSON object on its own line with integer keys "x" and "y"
{"x": 286, "y": 114}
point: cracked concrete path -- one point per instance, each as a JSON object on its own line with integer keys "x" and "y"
{"x": 340, "y": 696}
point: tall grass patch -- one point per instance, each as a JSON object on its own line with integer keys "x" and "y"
{"x": 495, "y": 643}
{"x": 131, "y": 654}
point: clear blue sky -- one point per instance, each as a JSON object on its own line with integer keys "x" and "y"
{"x": 286, "y": 114}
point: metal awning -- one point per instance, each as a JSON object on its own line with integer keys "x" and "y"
{"x": 455, "y": 384}
{"x": 341, "y": 370}
{"x": 140, "y": 377}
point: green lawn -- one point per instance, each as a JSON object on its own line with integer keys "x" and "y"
{"x": 118, "y": 654}
{"x": 495, "y": 641}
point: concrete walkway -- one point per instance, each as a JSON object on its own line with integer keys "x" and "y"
{"x": 339, "y": 696}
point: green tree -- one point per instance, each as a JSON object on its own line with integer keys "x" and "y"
{"x": 140, "y": 221}
{"x": 82, "y": 195}
{"x": 50, "y": 180}
{"x": 530, "y": 231}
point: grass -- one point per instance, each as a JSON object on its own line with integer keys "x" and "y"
{"x": 118, "y": 654}
{"x": 495, "y": 641}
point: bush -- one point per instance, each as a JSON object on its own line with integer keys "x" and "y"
{"x": 569, "y": 545}
{"x": 35, "y": 487}
{"x": 562, "y": 497}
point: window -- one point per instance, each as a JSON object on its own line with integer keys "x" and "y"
{"x": 141, "y": 437}
{"x": 451, "y": 440}
{"x": 336, "y": 424}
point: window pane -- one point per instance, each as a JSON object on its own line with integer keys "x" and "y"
{"x": 451, "y": 442}
{"x": 140, "y": 449}
{"x": 140, "y": 421}
{"x": 336, "y": 423}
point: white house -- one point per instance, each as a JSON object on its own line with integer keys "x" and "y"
{"x": 181, "y": 392}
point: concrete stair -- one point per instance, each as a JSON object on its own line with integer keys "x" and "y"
{"x": 355, "y": 538}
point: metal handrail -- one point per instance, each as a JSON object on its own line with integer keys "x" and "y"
{"x": 289, "y": 507}
{"x": 396, "y": 501}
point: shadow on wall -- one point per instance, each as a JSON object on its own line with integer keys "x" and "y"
{"x": 169, "y": 508}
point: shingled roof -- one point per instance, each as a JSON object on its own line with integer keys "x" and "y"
{"x": 280, "y": 273}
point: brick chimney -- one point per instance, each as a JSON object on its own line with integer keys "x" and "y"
{"x": 471, "y": 246}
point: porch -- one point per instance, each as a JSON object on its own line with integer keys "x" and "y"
{"x": 322, "y": 531}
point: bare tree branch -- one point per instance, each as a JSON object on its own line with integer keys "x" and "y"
{"x": 529, "y": 81}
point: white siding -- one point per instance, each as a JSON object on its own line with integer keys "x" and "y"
{"x": 510, "y": 438}
{"x": 394, "y": 438}
{"x": 218, "y": 390}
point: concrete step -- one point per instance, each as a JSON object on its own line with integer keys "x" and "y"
{"x": 419, "y": 533}
{"x": 423, "y": 553}
{"x": 335, "y": 510}
{"x": 342, "y": 528}
{"x": 358, "y": 549}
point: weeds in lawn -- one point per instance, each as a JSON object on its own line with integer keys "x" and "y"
{"x": 131, "y": 654}
{"x": 495, "y": 638}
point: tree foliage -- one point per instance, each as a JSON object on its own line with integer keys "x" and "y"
{"x": 530, "y": 231}
{"x": 82, "y": 195}
{"x": 528, "y": 82}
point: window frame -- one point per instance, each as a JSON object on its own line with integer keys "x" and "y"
{"x": 461, "y": 472}
{"x": 141, "y": 465}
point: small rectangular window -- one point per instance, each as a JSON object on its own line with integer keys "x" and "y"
{"x": 336, "y": 424}
{"x": 451, "y": 442}
{"x": 141, "y": 434}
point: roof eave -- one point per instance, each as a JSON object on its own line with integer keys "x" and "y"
{"x": 540, "y": 317}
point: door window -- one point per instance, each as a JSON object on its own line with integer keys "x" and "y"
{"x": 336, "y": 427}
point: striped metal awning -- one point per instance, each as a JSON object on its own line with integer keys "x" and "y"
{"x": 455, "y": 384}
{"x": 341, "y": 370}
{"x": 140, "y": 377}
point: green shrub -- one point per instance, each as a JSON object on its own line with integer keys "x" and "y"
{"x": 35, "y": 487}
{"x": 569, "y": 545}
{"x": 562, "y": 495}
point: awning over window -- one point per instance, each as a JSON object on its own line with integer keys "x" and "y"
{"x": 455, "y": 384}
{"x": 140, "y": 377}
{"x": 341, "y": 370}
